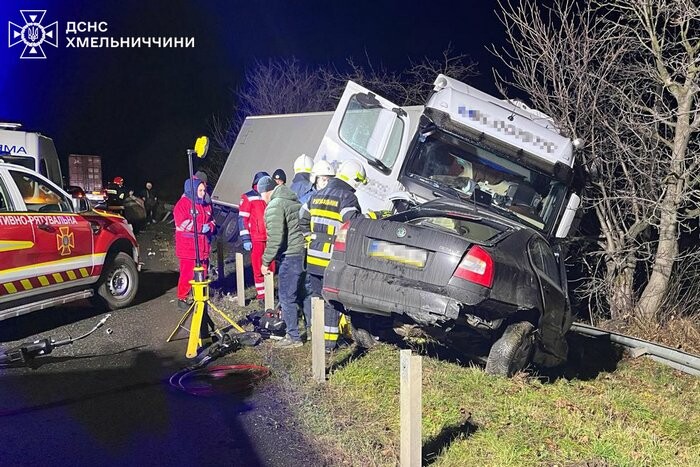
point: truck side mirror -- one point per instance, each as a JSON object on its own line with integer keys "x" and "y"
{"x": 568, "y": 217}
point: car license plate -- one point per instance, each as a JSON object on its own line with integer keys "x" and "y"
{"x": 398, "y": 253}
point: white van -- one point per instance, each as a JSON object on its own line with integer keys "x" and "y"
{"x": 31, "y": 150}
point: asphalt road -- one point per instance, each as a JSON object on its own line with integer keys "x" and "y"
{"x": 105, "y": 400}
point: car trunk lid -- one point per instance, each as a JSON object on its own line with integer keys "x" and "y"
{"x": 416, "y": 250}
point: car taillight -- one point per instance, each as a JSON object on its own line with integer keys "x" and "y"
{"x": 341, "y": 237}
{"x": 476, "y": 267}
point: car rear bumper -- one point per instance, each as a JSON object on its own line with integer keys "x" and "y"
{"x": 378, "y": 293}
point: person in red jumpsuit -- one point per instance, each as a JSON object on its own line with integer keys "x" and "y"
{"x": 184, "y": 235}
{"x": 251, "y": 226}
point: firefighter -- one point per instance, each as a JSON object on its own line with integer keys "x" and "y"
{"x": 320, "y": 218}
{"x": 301, "y": 183}
{"x": 251, "y": 226}
{"x": 116, "y": 194}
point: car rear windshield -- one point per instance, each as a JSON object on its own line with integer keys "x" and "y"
{"x": 466, "y": 228}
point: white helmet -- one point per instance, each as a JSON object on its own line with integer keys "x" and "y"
{"x": 352, "y": 172}
{"x": 322, "y": 167}
{"x": 303, "y": 163}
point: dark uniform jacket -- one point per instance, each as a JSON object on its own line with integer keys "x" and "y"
{"x": 321, "y": 217}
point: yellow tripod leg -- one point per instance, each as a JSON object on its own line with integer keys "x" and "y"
{"x": 229, "y": 320}
{"x": 194, "y": 341}
{"x": 181, "y": 323}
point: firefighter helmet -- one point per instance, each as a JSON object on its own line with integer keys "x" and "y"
{"x": 353, "y": 173}
{"x": 322, "y": 167}
{"x": 303, "y": 163}
{"x": 118, "y": 181}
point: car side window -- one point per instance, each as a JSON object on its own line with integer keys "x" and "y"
{"x": 544, "y": 260}
{"x": 5, "y": 205}
{"x": 38, "y": 195}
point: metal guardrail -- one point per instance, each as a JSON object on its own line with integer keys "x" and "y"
{"x": 677, "y": 359}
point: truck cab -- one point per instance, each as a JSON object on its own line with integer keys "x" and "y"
{"x": 54, "y": 249}
{"x": 463, "y": 144}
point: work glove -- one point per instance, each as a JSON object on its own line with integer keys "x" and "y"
{"x": 206, "y": 228}
{"x": 247, "y": 246}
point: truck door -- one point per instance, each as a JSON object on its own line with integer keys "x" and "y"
{"x": 64, "y": 241}
{"x": 16, "y": 243}
{"x": 373, "y": 131}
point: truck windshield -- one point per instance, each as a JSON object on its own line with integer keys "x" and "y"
{"x": 491, "y": 179}
{"x": 24, "y": 161}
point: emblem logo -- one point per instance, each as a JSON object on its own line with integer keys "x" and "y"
{"x": 401, "y": 232}
{"x": 64, "y": 241}
{"x": 33, "y": 34}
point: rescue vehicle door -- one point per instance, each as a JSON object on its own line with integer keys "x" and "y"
{"x": 375, "y": 132}
{"x": 63, "y": 248}
{"x": 16, "y": 243}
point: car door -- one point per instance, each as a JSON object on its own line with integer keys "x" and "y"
{"x": 555, "y": 309}
{"x": 16, "y": 245}
{"x": 63, "y": 251}
{"x": 373, "y": 131}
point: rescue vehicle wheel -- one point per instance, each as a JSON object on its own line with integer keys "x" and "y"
{"x": 512, "y": 352}
{"x": 119, "y": 282}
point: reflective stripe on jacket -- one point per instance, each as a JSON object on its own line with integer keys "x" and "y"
{"x": 251, "y": 217}
{"x": 321, "y": 217}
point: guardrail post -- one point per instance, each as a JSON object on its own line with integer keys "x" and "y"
{"x": 240, "y": 280}
{"x": 318, "y": 351}
{"x": 411, "y": 409}
{"x": 269, "y": 291}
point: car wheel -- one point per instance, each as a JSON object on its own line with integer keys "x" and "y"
{"x": 119, "y": 282}
{"x": 360, "y": 328}
{"x": 512, "y": 352}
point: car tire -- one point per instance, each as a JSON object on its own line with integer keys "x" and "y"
{"x": 512, "y": 351}
{"x": 118, "y": 283}
{"x": 360, "y": 328}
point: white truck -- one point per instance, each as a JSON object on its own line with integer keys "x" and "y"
{"x": 31, "y": 150}
{"x": 463, "y": 144}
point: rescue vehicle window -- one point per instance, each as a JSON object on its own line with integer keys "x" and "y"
{"x": 4, "y": 198}
{"x": 38, "y": 195}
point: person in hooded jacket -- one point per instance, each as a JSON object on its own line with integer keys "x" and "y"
{"x": 185, "y": 251}
{"x": 251, "y": 227}
{"x": 286, "y": 246}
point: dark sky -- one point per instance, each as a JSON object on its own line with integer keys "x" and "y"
{"x": 141, "y": 108}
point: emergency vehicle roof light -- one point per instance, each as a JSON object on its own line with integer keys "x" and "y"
{"x": 10, "y": 125}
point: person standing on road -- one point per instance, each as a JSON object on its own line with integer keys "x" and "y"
{"x": 301, "y": 183}
{"x": 320, "y": 218}
{"x": 200, "y": 174}
{"x": 285, "y": 246}
{"x": 185, "y": 251}
{"x": 251, "y": 227}
{"x": 279, "y": 176}
{"x": 149, "y": 202}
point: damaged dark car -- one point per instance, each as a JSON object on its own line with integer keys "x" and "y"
{"x": 478, "y": 282}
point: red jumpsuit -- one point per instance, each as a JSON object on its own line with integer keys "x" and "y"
{"x": 184, "y": 240}
{"x": 251, "y": 225}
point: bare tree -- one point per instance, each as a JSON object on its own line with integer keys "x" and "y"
{"x": 284, "y": 86}
{"x": 623, "y": 76}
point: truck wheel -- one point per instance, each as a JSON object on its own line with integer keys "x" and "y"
{"x": 119, "y": 282}
{"x": 512, "y": 352}
{"x": 360, "y": 328}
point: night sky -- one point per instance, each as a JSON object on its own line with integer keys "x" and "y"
{"x": 140, "y": 108}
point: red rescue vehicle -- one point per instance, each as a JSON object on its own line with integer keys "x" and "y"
{"x": 55, "y": 249}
